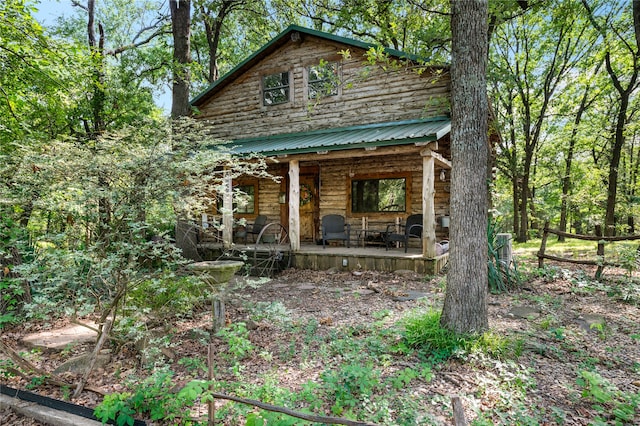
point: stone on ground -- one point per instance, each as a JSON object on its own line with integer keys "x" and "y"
{"x": 61, "y": 338}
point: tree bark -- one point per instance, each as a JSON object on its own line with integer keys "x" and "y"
{"x": 465, "y": 305}
{"x": 181, "y": 30}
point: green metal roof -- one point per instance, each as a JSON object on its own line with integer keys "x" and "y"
{"x": 278, "y": 41}
{"x": 364, "y": 136}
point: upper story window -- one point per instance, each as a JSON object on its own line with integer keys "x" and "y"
{"x": 275, "y": 88}
{"x": 323, "y": 79}
{"x": 379, "y": 195}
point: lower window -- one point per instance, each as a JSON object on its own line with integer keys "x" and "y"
{"x": 379, "y": 195}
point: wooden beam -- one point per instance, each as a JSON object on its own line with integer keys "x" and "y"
{"x": 294, "y": 204}
{"x": 428, "y": 208}
{"x": 440, "y": 160}
{"x": 347, "y": 153}
{"x": 227, "y": 210}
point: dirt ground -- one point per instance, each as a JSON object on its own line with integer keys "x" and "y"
{"x": 567, "y": 324}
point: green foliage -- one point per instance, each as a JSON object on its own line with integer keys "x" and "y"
{"x": 194, "y": 365}
{"x": 116, "y": 407}
{"x": 272, "y": 312}
{"x": 11, "y": 292}
{"x": 236, "y": 336}
{"x": 166, "y": 295}
{"x": 608, "y": 399}
{"x": 424, "y": 332}
{"x": 350, "y": 385}
{"x": 99, "y": 221}
{"x": 153, "y": 396}
{"x": 629, "y": 259}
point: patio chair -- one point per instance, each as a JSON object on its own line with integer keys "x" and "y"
{"x": 411, "y": 229}
{"x": 334, "y": 228}
{"x": 256, "y": 228}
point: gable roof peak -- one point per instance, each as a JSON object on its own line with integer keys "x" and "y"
{"x": 293, "y": 33}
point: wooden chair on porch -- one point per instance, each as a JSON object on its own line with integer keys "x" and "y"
{"x": 335, "y": 228}
{"x": 411, "y": 229}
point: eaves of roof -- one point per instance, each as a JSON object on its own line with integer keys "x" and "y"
{"x": 362, "y": 136}
{"x": 279, "y": 41}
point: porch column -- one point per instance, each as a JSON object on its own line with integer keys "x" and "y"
{"x": 227, "y": 210}
{"x": 428, "y": 205}
{"x": 294, "y": 204}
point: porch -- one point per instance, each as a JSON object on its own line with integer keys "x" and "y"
{"x": 367, "y": 259}
{"x": 267, "y": 259}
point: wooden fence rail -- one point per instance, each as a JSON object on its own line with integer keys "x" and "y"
{"x": 599, "y": 262}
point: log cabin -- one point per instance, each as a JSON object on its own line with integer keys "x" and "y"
{"x": 351, "y": 129}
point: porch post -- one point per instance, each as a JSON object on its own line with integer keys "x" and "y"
{"x": 227, "y": 210}
{"x": 428, "y": 205}
{"x": 294, "y": 204}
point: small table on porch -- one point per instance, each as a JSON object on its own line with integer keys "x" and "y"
{"x": 371, "y": 237}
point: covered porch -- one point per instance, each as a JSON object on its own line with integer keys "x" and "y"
{"x": 268, "y": 257}
{"x": 374, "y": 177}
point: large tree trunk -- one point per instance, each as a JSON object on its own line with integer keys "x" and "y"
{"x": 465, "y": 304}
{"x": 181, "y": 29}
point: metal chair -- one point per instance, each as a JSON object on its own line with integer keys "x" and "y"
{"x": 260, "y": 222}
{"x": 411, "y": 229}
{"x": 335, "y": 228}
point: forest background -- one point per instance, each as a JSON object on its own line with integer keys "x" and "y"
{"x": 562, "y": 80}
{"x": 93, "y": 171}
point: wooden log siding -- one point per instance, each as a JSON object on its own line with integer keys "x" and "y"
{"x": 335, "y": 181}
{"x": 268, "y": 201}
{"x": 236, "y": 111}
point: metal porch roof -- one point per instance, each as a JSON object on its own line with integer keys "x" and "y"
{"x": 363, "y": 136}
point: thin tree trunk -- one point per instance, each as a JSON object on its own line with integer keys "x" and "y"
{"x": 465, "y": 305}
{"x": 181, "y": 29}
{"x": 616, "y": 152}
{"x": 566, "y": 178}
{"x": 621, "y": 118}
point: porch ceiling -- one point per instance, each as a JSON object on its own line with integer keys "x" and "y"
{"x": 363, "y": 136}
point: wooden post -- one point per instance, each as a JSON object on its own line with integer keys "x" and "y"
{"x": 505, "y": 250}
{"x": 294, "y": 204}
{"x": 227, "y": 211}
{"x": 543, "y": 245}
{"x": 428, "y": 205}
{"x": 458, "y": 412}
{"x": 600, "y": 254}
{"x": 212, "y": 403}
